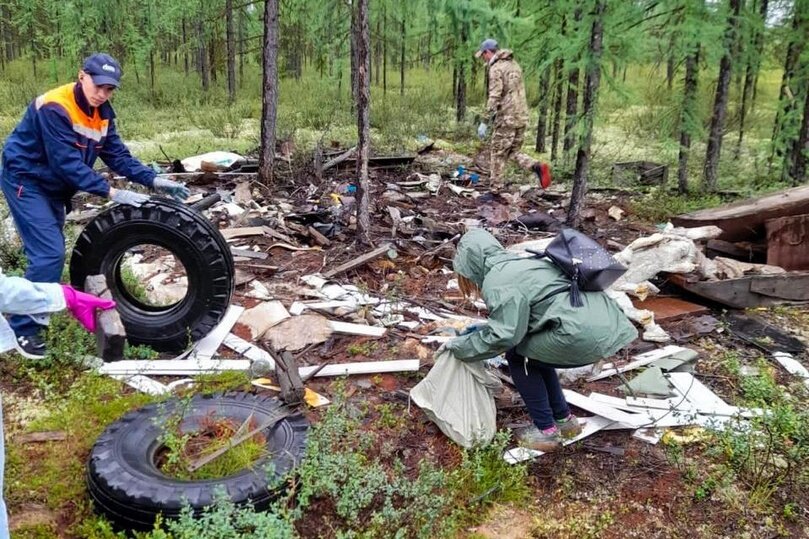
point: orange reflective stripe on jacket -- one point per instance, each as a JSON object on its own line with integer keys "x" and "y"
{"x": 93, "y": 127}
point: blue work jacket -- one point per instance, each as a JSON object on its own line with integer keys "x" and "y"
{"x": 58, "y": 141}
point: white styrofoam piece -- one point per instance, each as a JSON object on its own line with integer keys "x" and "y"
{"x": 206, "y": 347}
{"x": 248, "y": 350}
{"x": 640, "y": 360}
{"x": 591, "y": 426}
{"x": 650, "y": 436}
{"x": 144, "y": 384}
{"x": 603, "y": 410}
{"x": 365, "y": 367}
{"x": 315, "y": 281}
{"x": 792, "y": 365}
{"x": 356, "y": 329}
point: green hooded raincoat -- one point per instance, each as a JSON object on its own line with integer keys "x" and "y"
{"x": 548, "y": 330}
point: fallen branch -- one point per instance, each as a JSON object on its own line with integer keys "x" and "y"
{"x": 359, "y": 261}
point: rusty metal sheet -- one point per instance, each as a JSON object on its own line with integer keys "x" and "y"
{"x": 667, "y": 308}
{"x": 788, "y": 242}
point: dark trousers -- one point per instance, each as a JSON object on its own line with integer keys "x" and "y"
{"x": 39, "y": 220}
{"x": 539, "y": 388}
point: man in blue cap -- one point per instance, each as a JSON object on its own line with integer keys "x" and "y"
{"x": 507, "y": 110}
{"x": 49, "y": 157}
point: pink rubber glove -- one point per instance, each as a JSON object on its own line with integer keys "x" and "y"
{"x": 83, "y": 306}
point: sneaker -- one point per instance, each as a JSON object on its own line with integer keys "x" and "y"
{"x": 569, "y": 427}
{"x": 31, "y": 346}
{"x": 545, "y": 440}
{"x": 543, "y": 172}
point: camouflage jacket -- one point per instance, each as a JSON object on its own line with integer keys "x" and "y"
{"x": 507, "y": 105}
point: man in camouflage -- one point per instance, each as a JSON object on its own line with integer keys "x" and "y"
{"x": 507, "y": 111}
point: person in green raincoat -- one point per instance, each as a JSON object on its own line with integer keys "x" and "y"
{"x": 538, "y": 331}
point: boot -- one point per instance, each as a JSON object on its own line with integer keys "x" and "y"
{"x": 545, "y": 440}
{"x": 569, "y": 427}
{"x": 543, "y": 172}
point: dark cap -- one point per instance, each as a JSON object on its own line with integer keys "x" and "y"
{"x": 103, "y": 69}
{"x": 487, "y": 45}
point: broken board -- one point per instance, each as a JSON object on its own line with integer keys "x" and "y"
{"x": 752, "y": 290}
{"x": 669, "y": 309}
{"x": 745, "y": 220}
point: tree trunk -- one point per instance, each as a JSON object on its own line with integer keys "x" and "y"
{"x": 403, "y": 33}
{"x": 151, "y": 72}
{"x": 670, "y": 65}
{"x": 384, "y": 51}
{"x": 687, "y": 118}
{"x": 231, "y": 51}
{"x": 353, "y": 51}
{"x": 460, "y": 99}
{"x": 800, "y": 150}
{"x": 212, "y": 62}
{"x": 241, "y": 47}
{"x": 557, "y": 106}
{"x": 185, "y": 48}
{"x": 572, "y": 92}
{"x": 203, "y": 57}
{"x": 592, "y": 80}
{"x": 714, "y": 150}
{"x": 786, "y": 94}
{"x": 269, "y": 97}
{"x": 542, "y": 119}
{"x": 751, "y": 73}
{"x": 362, "y": 32}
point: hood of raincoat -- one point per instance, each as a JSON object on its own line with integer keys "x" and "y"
{"x": 477, "y": 253}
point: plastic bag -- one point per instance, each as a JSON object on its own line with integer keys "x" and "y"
{"x": 459, "y": 398}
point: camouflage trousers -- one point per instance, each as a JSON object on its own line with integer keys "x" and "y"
{"x": 505, "y": 144}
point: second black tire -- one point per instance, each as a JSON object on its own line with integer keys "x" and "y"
{"x": 191, "y": 238}
{"x": 126, "y": 485}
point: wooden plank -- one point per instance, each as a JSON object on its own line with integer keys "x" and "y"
{"x": 641, "y": 360}
{"x": 289, "y": 378}
{"x": 174, "y": 367}
{"x": 317, "y": 237}
{"x": 359, "y": 261}
{"x": 788, "y": 242}
{"x": 357, "y": 329}
{"x": 366, "y": 367}
{"x": 670, "y": 309}
{"x": 39, "y": 437}
{"x": 110, "y": 332}
{"x": 206, "y": 347}
{"x": 751, "y": 291}
{"x": 746, "y": 251}
{"x": 242, "y": 232}
{"x": 745, "y": 219}
{"x": 792, "y": 286}
{"x": 247, "y": 253}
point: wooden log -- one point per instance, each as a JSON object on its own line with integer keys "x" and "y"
{"x": 788, "y": 242}
{"x": 317, "y": 237}
{"x": 289, "y": 378}
{"x": 110, "y": 332}
{"x": 744, "y": 220}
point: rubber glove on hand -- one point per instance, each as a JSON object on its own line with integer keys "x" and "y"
{"x": 178, "y": 191}
{"x": 482, "y": 130}
{"x": 471, "y": 329}
{"x": 83, "y": 306}
{"x": 129, "y": 198}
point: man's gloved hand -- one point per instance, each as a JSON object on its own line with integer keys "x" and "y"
{"x": 83, "y": 306}
{"x": 178, "y": 191}
{"x": 130, "y": 198}
{"x": 482, "y": 130}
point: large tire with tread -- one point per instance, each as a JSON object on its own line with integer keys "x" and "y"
{"x": 127, "y": 487}
{"x": 191, "y": 238}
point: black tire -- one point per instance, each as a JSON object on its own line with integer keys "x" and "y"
{"x": 127, "y": 487}
{"x": 191, "y": 238}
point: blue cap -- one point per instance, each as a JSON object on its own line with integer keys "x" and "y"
{"x": 487, "y": 45}
{"x": 103, "y": 69}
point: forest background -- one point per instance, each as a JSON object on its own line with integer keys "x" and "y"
{"x": 717, "y": 90}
